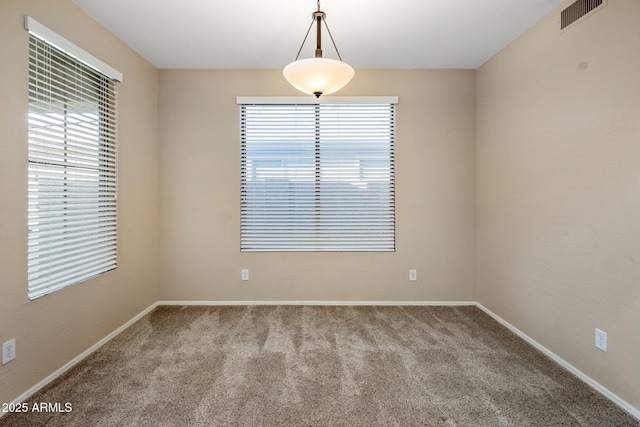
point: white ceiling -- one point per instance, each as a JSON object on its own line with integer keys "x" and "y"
{"x": 268, "y": 34}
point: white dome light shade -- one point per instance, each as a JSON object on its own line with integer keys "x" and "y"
{"x": 318, "y": 76}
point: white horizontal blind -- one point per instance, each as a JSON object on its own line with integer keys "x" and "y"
{"x": 318, "y": 177}
{"x": 72, "y": 170}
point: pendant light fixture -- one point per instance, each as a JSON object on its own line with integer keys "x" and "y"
{"x": 318, "y": 76}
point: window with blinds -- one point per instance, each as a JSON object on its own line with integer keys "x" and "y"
{"x": 72, "y": 170}
{"x": 318, "y": 177}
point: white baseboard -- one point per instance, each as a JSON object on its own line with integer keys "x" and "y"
{"x": 336, "y": 303}
{"x": 575, "y": 371}
{"x": 24, "y": 396}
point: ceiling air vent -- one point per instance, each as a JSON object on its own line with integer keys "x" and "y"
{"x": 577, "y": 10}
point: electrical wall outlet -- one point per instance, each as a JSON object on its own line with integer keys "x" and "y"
{"x": 8, "y": 351}
{"x": 245, "y": 274}
{"x": 601, "y": 340}
{"x": 413, "y": 275}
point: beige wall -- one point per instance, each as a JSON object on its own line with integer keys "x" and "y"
{"x": 558, "y": 200}
{"x": 54, "y": 329}
{"x": 200, "y": 206}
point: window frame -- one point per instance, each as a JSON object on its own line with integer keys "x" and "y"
{"x": 72, "y": 163}
{"x": 315, "y": 240}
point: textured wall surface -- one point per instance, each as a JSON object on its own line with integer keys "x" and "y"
{"x": 54, "y": 329}
{"x": 558, "y": 199}
{"x": 435, "y": 194}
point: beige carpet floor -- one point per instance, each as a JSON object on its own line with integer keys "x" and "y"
{"x": 320, "y": 366}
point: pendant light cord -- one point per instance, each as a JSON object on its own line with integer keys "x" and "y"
{"x": 331, "y": 37}
{"x": 305, "y": 39}
{"x": 328, "y": 31}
